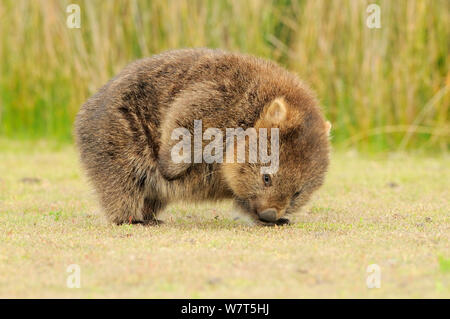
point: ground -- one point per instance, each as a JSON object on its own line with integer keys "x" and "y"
{"x": 390, "y": 210}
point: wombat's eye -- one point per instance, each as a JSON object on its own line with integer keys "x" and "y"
{"x": 267, "y": 180}
{"x": 296, "y": 194}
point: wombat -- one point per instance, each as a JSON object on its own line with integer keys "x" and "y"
{"x": 124, "y": 133}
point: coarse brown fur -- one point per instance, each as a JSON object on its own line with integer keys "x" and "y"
{"x": 124, "y": 134}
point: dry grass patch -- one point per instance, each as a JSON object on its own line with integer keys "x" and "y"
{"x": 392, "y": 211}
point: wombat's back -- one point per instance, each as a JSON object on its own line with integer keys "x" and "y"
{"x": 128, "y": 106}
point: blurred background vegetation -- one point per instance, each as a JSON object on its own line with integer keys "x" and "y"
{"x": 383, "y": 89}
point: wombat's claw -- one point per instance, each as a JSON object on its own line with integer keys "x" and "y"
{"x": 279, "y": 222}
{"x": 282, "y": 221}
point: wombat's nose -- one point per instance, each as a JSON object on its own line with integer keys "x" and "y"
{"x": 268, "y": 215}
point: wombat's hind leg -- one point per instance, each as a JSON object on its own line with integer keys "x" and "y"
{"x": 152, "y": 206}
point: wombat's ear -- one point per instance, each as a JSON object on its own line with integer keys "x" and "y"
{"x": 328, "y": 127}
{"x": 274, "y": 114}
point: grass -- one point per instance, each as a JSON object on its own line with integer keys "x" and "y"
{"x": 392, "y": 210}
{"x": 382, "y": 88}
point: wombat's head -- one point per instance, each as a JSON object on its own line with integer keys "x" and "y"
{"x": 303, "y": 161}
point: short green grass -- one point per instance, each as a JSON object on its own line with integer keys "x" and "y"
{"x": 390, "y": 210}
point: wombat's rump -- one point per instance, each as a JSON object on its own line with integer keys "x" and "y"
{"x": 124, "y": 135}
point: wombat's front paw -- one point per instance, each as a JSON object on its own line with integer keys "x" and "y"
{"x": 279, "y": 222}
{"x": 283, "y": 221}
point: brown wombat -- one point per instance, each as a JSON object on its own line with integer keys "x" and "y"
{"x": 125, "y": 136}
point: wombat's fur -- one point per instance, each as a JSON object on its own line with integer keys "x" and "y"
{"x": 124, "y": 135}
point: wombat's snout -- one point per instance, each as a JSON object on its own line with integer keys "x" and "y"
{"x": 268, "y": 215}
